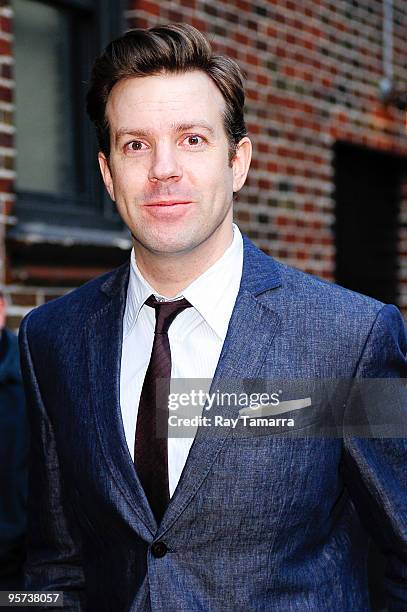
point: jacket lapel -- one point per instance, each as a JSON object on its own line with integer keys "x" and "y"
{"x": 104, "y": 344}
{"x": 250, "y": 333}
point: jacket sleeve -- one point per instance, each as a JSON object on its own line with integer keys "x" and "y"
{"x": 375, "y": 468}
{"x": 53, "y": 544}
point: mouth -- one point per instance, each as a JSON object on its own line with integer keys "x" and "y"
{"x": 168, "y": 211}
{"x": 168, "y": 203}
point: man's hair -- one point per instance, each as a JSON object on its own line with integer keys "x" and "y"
{"x": 173, "y": 48}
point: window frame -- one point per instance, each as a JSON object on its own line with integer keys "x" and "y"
{"x": 96, "y": 23}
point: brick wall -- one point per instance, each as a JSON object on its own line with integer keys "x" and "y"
{"x": 7, "y": 152}
{"x": 312, "y": 78}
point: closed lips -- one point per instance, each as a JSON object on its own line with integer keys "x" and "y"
{"x": 169, "y": 203}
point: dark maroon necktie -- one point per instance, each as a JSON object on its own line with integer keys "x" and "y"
{"x": 151, "y": 450}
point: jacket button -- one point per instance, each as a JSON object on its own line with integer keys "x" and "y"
{"x": 159, "y": 549}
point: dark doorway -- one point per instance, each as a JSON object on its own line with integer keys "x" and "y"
{"x": 367, "y": 202}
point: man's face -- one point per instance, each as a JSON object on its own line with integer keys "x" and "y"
{"x": 169, "y": 171}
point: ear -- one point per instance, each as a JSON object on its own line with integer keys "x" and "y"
{"x": 106, "y": 174}
{"x": 241, "y": 163}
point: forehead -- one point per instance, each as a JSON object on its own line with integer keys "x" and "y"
{"x": 159, "y": 101}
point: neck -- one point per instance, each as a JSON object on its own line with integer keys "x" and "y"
{"x": 170, "y": 273}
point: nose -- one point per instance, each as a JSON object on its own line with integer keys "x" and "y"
{"x": 165, "y": 165}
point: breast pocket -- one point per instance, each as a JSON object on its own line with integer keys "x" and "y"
{"x": 296, "y": 418}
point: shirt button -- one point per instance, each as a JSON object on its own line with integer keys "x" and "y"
{"x": 159, "y": 549}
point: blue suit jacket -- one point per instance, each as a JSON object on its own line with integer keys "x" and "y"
{"x": 263, "y": 522}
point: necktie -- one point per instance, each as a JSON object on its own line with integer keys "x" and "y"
{"x": 151, "y": 451}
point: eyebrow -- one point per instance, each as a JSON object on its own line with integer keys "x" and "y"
{"x": 176, "y": 127}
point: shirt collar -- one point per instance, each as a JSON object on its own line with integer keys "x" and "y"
{"x": 213, "y": 294}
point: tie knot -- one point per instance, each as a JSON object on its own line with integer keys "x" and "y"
{"x": 165, "y": 312}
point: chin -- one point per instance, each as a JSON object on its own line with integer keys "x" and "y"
{"x": 165, "y": 247}
{"x": 165, "y": 243}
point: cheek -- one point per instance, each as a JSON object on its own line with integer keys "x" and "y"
{"x": 127, "y": 179}
{"x": 213, "y": 176}
{"x": 223, "y": 183}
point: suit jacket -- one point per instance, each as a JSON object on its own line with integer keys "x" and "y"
{"x": 257, "y": 522}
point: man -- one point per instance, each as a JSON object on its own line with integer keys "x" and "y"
{"x": 13, "y": 459}
{"x": 124, "y": 518}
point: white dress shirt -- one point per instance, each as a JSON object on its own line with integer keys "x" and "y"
{"x": 196, "y": 338}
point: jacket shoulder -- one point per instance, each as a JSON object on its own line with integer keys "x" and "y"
{"x": 324, "y": 296}
{"x": 79, "y": 303}
{"x": 283, "y": 287}
{"x": 331, "y": 325}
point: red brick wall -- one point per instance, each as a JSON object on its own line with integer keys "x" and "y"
{"x": 7, "y": 152}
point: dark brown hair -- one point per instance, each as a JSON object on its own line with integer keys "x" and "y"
{"x": 173, "y": 48}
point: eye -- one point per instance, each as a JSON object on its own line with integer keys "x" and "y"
{"x": 135, "y": 145}
{"x": 194, "y": 140}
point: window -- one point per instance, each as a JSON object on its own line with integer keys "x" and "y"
{"x": 57, "y": 176}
